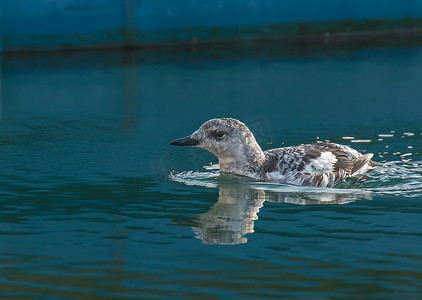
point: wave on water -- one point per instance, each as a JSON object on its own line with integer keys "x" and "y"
{"x": 191, "y": 178}
{"x": 398, "y": 178}
{"x": 270, "y": 191}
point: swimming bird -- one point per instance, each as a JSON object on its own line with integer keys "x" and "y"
{"x": 319, "y": 164}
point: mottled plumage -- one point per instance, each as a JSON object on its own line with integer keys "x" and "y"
{"x": 319, "y": 164}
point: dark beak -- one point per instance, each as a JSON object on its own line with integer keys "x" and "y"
{"x": 186, "y": 141}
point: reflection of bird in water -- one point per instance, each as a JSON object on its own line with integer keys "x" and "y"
{"x": 233, "y": 216}
{"x": 320, "y": 164}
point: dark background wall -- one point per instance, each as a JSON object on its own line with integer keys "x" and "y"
{"x": 66, "y": 24}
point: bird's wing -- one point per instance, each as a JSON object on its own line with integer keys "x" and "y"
{"x": 321, "y": 164}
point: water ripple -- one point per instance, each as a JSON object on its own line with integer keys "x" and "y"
{"x": 399, "y": 178}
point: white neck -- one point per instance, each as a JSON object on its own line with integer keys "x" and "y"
{"x": 244, "y": 164}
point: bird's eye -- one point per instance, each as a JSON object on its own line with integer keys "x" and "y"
{"x": 219, "y": 133}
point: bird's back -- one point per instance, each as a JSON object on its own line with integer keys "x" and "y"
{"x": 320, "y": 164}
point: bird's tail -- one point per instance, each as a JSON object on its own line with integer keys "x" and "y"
{"x": 363, "y": 164}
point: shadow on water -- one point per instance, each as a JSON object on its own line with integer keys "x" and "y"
{"x": 198, "y": 54}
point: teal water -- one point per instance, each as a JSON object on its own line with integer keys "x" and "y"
{"x": 96, "y": 205}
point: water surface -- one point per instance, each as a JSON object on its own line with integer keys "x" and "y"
{"x": 96, "y": 204}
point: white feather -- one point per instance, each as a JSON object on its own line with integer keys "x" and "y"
{"x": 322, "y": 164}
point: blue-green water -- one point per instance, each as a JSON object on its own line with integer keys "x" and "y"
{"x": 96, "y": 204}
